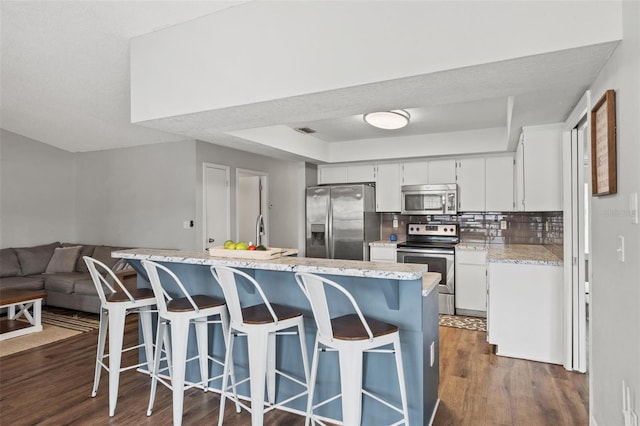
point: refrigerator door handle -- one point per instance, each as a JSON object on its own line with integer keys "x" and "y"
{"x": 328, "y": 235}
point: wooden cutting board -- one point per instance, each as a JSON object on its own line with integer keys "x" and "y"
{"x": 268, "y": 254}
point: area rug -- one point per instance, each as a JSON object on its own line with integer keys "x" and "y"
{"x": 467, "y": 323}
{"x": 57, "y": 324}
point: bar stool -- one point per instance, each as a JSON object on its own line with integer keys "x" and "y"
{"x": 179, "y": 312}
{"x": 351, "y": 335}
{"x": 260, "y": 324}
{"x": 114, "y": 308}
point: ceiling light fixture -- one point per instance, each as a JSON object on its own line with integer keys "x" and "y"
{"x": 388, "y": 120}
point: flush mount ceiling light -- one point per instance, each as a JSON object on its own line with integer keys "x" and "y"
{"x": 388, "y": 120}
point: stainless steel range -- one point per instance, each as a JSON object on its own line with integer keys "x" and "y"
{"x": 434, "y": 245}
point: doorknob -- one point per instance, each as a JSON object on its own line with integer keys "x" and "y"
{"x": 211, "y": 240}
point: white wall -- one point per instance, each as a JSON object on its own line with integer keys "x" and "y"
{"x": 36, "y": 192}
{"x": 137, "y": 196}
{"x": 615, "y": 288}
{"x": 285, "y": 191}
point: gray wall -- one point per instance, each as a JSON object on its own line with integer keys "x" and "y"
{"x": 36, "y": 192}
{"x": 286, "y": 189}
{"x": 137, "y": 196}
{"x": 615, "y": 287}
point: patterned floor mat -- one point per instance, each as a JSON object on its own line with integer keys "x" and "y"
{"x": 467, "y": 323}
{"x": 72, "y": 320}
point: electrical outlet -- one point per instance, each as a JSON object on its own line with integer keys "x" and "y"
{"x": 503, "y": 224}
{"x": 185, "y": 224}
{"x": 395, "y": 223}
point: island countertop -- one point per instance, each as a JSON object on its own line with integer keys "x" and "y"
{"x": 353, "y": 268}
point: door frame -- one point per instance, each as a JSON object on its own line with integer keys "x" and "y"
{"x": 204, "y": 240}
{"x": 577, "y": 345}
{"x": 264, "y": 205}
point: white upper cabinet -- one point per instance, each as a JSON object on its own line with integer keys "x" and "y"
{"x": 388, "y": 183}
{"x": 541, "y": 159}
{"x": 499, "y": 184}
{"x": 442, "y": 171}
{"x": 471, "y": 184}
{"x": 415, "y": 173}
{"x": 346, "y": 173}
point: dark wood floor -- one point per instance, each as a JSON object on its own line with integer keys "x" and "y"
{"x": 51, "y": 385}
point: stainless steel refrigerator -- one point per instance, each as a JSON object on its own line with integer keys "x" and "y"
{"x": 341, "y": 221}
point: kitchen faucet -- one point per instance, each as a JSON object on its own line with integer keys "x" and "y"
{"x": 259, "y": 230}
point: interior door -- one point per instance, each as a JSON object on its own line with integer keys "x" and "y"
{"x": 216, "y": 202}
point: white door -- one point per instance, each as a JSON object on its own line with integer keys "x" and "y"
{"x": 216, "y": 202}
{"x": 251, "y": 202}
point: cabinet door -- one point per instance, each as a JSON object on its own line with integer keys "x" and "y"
{"x": 471, "y": 186}
{"x": 442, "y": 171}
{"x": 359, "y": 173}
{"x": 542, "y": 168}
{"x": 332, "y": 174}
{"x": 519, "y": 177}
{"x": 471, "y": 288}
{"x": 383, "y": 254}
{"x": 388, "y": 187}
{"x": 415, "y": 173}
{"x": 499, "y": 184}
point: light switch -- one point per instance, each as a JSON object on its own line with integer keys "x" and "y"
{"x": 620, "y": 248}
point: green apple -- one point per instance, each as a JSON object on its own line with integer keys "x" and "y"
{"x": 229, "y": 244}
{"x": 242, "y": 246}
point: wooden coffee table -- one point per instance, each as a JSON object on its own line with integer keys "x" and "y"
{"x": 25, "y": 301}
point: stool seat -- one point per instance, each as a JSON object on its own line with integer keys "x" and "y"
{"x": 259, "y": 314}
{"x": 202, "y": 301}
{"x": 138, "y": 294}
{"x": 349, "y": 327}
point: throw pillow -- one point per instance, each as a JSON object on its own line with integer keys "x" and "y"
{"x": 63, "y": 260}
{"x": 9, "y": 265}
{"x": 34, "y": 260}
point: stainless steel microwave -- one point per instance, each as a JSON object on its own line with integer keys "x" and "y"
{"x": 430, "y": 199}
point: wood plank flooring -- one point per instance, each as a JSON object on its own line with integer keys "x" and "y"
{"x": 51, "y": 385}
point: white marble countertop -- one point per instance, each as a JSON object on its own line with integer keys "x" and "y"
{"x": 384, "y": 243}
{"x": 471, "y": 246}
{"x": 354, "y": 268}
{"x": 522, "y": 253}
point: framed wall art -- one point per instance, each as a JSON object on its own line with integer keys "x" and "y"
{"x": 603, "y": 145}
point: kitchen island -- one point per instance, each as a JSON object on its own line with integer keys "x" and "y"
{"x": 402, "y": 294}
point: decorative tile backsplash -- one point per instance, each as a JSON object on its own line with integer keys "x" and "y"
{"x": 521, "y": 227}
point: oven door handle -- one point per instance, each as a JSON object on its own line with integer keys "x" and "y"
{"x": 427, "y": 251}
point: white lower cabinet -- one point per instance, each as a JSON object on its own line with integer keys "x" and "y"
{"x": 471, "y": 282}
{"x": 524, "y": 317}
{"x": 382, "y": 252}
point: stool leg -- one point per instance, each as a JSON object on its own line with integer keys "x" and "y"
{"x": 102, "y": 339}
{"x": 351, "y": 384}
{"x": 202, "y": 340}
{"x": 228, "y": 365}
{"x": 224, "y": 322}
{"x": 179, "y": 337}
{"x": 161, "y": 340}
{"x": 312, "y": 381}
{"x": 116, "y": 332}
{"x": 271, "y": 368}
{"x": 257, "y": 344}
{"x": 147, "y": 335}
{"x": 303, "y": 349}
{"x": 399, "y": 367}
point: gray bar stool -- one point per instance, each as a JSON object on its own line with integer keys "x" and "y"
{"x": 179, "y": 312}
{"x": 260, "y": 324}
{"x": 114, "y": 307}
{"x": 351, "y": 335}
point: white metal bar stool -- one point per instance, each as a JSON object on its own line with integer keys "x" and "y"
{"x": 351, "y": 335}
{"x": 260, "y": 324}
{"x": 114, "y": 308}
{"x": 179, "y": 312}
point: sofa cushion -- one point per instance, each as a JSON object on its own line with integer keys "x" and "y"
{"x": 9, "y": 265}
{"x": 33, "y": 282}
{"x": 63, "y": 260}
{"x": 87, "y": 250}
{"x": 103, "y": 254}
{"x": 34, "y": 260}
{"x": 86, "y": 287}
{"x": 64, "y": 282}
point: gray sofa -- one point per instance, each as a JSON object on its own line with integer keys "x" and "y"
{"x": 60, "y": 270}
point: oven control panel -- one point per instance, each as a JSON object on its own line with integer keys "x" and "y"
{"x": 427, "y": 229}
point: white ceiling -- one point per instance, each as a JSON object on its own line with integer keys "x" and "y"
{"x": 65, "y": 82}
